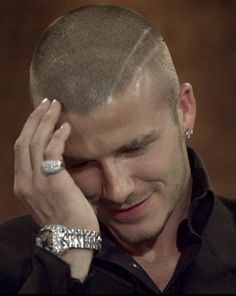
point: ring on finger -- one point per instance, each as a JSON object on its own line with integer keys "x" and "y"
{"x": 50, "y": 167}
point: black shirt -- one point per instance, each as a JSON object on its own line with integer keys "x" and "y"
{"x": 206, "y": 240}
{"x": 189, "y": 239}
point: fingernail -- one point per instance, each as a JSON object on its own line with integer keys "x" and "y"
{"x": 54, "y": 101}
{"x": 64, "y": 125}
{"x": 44, "y": 101}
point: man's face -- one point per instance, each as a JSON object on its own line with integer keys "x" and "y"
{"x": 129, "y": 159}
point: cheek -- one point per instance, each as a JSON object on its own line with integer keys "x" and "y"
{"x": 89, "y": 181}
{"x": 158, "y": 164}
{"x": 151, "y": 166}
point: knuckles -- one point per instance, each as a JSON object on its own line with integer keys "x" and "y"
{"x": 28, "y": 189}
{"x": 18, "y": 145}
{"x": 34, "y": 144}
{"x": 22, "y": 190}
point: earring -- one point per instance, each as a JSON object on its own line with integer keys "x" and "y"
{"x": 188, "y": 133}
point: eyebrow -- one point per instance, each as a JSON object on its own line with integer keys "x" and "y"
{"x": 140, "y": 141}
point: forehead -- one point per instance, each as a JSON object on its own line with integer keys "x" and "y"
{"x": 135, "y": 104}
{"x": 132, "y": 114}
{"x": 142, "y": 95}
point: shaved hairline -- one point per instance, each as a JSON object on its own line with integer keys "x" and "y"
{"x": 56, "y": 73}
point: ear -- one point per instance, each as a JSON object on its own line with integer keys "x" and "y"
{"x": 186, "y": 107}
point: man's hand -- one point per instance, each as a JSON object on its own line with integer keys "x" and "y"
{"x": 51, "y": 199}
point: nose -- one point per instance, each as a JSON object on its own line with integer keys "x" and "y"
{"x": 118, "y": 182}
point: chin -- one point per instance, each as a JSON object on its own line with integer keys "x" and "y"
{"x": 143, "y": 239}
{"x": 136, "y": 234}
{"x": 142, "y": 233}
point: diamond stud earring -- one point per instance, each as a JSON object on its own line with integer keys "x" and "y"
{"x": 188, "y": 133}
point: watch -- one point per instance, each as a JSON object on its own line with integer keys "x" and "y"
{"x": 58, "y": 239}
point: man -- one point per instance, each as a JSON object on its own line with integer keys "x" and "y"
{"x": 118, "y": 202}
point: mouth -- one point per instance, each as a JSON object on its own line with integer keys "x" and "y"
{"x": 132, "y": 213}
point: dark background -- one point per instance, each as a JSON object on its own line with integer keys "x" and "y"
{"x": 201, "y": 38}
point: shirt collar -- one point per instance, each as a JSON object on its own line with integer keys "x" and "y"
{"x": 190, "y": 229}
{"x": 201, "y": 182}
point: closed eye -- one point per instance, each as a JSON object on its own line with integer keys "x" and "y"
{"x": 135, "y": 150}
{"x": 140, "y": 144}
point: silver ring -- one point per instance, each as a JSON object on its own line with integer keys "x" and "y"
{"x": 50, "y": 167}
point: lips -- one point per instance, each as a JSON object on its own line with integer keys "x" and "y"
{"x": 132, "y": 213}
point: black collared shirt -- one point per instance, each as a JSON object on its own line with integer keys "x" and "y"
{"x": 206, "y": 240}
{"x": 189, "y": 239}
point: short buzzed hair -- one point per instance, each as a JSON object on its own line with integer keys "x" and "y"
{"x": 92, "y": 54}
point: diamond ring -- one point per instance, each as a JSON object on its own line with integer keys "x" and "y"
{"x": 50, "y": 167}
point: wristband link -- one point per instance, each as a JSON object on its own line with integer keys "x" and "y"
{"x": 58, "y": 239}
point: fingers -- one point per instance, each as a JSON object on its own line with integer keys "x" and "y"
{"x": 23, "y": 166}
{"x": 56, "y": 145}
{"x": 38, "y": 141}
{"x": 43, "y": 134}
